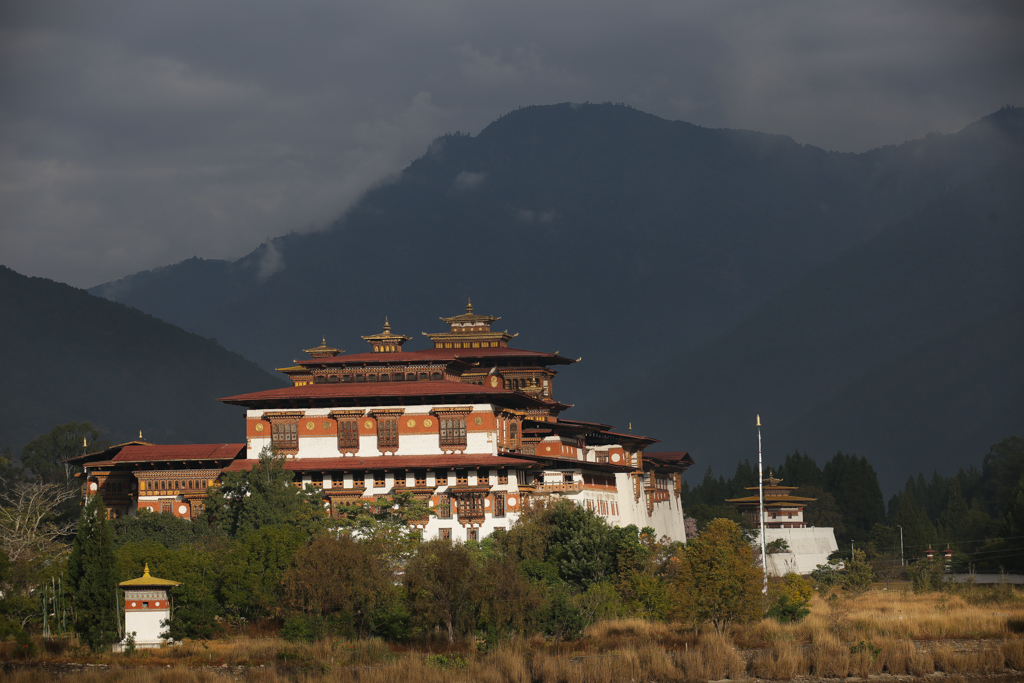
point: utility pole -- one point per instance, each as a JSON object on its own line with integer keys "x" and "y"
{"x": 901, "y": 544}
{"x": 760, "y": 494}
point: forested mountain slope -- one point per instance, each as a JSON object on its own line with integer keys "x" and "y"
{"x": 66, "y": 355}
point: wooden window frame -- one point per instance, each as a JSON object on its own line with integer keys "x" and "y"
{"x": 452, "y": 432}
{"x": 387, "y": 432}
{"x": 284, "y": 435}
{"x": 443, "y": 509}
{"x": 348, "y": 434}
{"x": 498, "y": 505}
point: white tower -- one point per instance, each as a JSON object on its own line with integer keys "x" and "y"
{"x": 146, "y": 604}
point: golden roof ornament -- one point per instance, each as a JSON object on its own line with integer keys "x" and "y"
{"x": 323, "y": 351}
{"x": 772, "y": 481}
{"x": 387, "y": 341}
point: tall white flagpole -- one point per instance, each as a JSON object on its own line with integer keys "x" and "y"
{"x": 760, "y": 493}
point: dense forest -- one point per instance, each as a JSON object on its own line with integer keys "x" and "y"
{"x": 978, "y": 512}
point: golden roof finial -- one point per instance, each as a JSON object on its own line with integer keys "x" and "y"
{"x": 387, "y": 325}
{"x": 469, "y": 305}
{"x": 85, "y": 444}
{"x": 140, "y": 435}
{"x": 145, "y": 570}
{"x": 758, "y": 420}
{"x": 323, "y": 340}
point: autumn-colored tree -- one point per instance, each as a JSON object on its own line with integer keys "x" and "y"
{"x": 339, "y": 582}
{"x": 445, "y": 582}
{"x": 716, "y": 578}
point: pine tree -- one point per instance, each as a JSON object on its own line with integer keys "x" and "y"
{"x": 92, "y": 575}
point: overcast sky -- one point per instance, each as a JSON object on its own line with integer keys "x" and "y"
{"x": 137, "y": 134}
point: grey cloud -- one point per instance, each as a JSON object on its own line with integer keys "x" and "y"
{"x": 468, "y": 180}
{"x": 137, "y": 134}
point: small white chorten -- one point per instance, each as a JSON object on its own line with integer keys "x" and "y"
{"x": 146, "y": 604}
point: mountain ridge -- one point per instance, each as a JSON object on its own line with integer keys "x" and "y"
{"x": 597, "y": 229}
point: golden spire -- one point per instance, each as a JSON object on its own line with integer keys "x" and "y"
{"x": 758, "y": 420}
{"x": 386, "y": 341}
{"x": 469, "y": 306}
{"x": 140, "y": 435}
{"x": 145, "y": 571}
{"x": 85, "y": 444}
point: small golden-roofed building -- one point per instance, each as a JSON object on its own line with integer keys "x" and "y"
{"x": 146, "y": 605}
{"x": 782, "y": 509}
{"x": 387, "y": 341}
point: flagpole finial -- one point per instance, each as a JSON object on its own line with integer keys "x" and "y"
{"x": 758, "y": 420}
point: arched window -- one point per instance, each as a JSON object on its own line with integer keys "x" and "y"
{"x": 372, "y": 377}
{"x": 385, "y": 377}
{"x": 333, "y": 379}
{"x": 423, "y": 376}
{"x": 436, "y": 376}
{"x": 319, "y": 379}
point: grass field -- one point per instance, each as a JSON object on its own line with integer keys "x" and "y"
{"x": 976, "y": 632}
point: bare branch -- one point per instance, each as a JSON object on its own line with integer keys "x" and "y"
{"x": 28, "y": 519}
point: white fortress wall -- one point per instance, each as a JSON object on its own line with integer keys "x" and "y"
{"x": 808, "y": 547}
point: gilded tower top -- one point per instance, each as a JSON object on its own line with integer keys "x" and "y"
{"x": 324, "y": 351}
{"x": 387, "y": 341}
{"x": 469, "y": 330}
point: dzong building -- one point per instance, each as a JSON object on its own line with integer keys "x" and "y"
{"x": 472, "y": 426}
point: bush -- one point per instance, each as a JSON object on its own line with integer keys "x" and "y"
{"x": 26, "y": 647}
{"x": 785, "y": 610}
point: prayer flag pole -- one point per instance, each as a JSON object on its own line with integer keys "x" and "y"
{"x": 760, "y": 493}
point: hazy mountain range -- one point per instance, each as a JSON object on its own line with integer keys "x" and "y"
{"x": 866, "y": 302}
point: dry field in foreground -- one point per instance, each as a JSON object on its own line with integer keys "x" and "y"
{"x": 879, "y": 632}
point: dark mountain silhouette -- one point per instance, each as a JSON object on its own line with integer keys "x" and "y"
{"x": 599, "y": 231}
{"x": 908, "y": 349}
{"x": 66, "y": 355}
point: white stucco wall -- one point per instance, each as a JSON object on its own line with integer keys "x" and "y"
{"x": 146, "y": 625}
{"x": 808, "y": 547}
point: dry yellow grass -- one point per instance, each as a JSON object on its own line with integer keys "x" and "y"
{"x": 874, "y": 634}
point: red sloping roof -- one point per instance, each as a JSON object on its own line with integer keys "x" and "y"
{"x": 368, "y": 389}
{"x": 565, "y": 461}
{"x": 596, "y": 426}
{"x": 197, "y": 451}
{"x": 388, "y": 462}
{"x": 631, "y": 437}
{"x": 436, "y": 355}
{"x": 681, "y": 457}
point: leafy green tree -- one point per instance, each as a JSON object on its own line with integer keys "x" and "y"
{"x": 510, "y": 602}
{"x": 581, "y": 545}
{"x": 858, "y": 575}
{"x": 954, "y": 522}
{"x": 918, "y": 531}
{"x": 716, "y": 578}
{"x": 854, "y": 484}
{"x": 43, "y": 456}
{"x": 790, "y": 597}
{"x": 167, "y": 530}
{"x": 339, "y": 586}
{"x": 247, "y": 500}
{"x": 197, "y": 611}
{"x": 92, "y": 575}
{"x": 800, "y": 469}
{"x": 1001, "y": 469}
{"x": 252, "y": 579}
{"x": 387, "y": 523}
{"x": 444, "y": 582}
{"x": 824, "y": 511}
